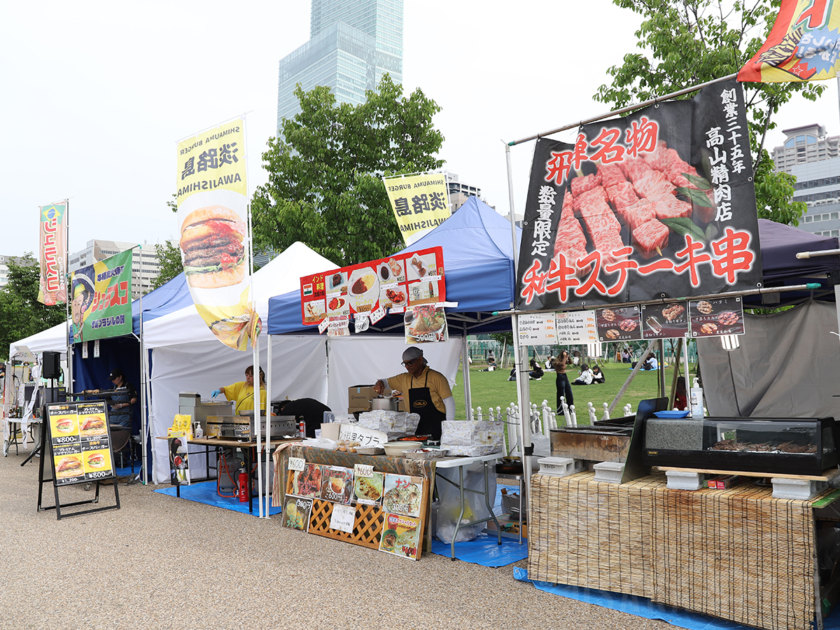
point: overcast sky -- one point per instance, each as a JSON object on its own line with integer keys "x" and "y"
{"x": 97, "y": 94}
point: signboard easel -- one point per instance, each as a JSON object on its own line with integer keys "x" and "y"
{"x": 76, "y": 439}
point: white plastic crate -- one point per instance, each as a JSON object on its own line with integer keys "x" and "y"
{"x": 559, "y": 466}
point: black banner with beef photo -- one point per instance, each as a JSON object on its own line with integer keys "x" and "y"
{"x": 658, "y": 204}
{"x": 618, "y": 324}
{"x": 664, "y": 321}
{"x": 715, "y": 318}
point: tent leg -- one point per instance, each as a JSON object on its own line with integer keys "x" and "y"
{"x": 268, "y": 458}
{"x": 677, "y": 358}
{"x": 630, "y": 378}
{"x": 465, "y": 364}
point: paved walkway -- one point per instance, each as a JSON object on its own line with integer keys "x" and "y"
{"x": 161, "y": 562}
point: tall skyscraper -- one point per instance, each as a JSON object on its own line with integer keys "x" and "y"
{"x": 813, "y": 157}
{"x": 352, "y": 44}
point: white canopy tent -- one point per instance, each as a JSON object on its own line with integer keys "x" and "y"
{"x": 50, "y": 340}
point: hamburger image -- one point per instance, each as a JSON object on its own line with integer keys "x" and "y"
{"x": 96, "y": 460}
{"x": 93, "y": 425}
{"x": 211, "y": 239}
{"x": 68, "y": 467}
{"x": 65, "y": 426}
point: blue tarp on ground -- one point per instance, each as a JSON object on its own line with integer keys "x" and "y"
{"x": 477, "y": 257}
{"x": 205, "y": 492}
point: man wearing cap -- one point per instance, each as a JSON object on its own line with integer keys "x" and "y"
{"x": 121, "y": 402}
{"x": 427, "y": 390}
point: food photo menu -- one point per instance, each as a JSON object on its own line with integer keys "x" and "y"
{"x": 81, "y": 443}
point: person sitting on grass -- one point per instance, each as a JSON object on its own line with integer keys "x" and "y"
{"x": 536, "y": 372}
{"x": 598, "y": 375}
{"x": 585, "y": 377}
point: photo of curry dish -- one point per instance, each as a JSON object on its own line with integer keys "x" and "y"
{"x": 363, "y": 284}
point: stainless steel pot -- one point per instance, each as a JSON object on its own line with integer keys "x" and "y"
{"x": 384, "y": 404}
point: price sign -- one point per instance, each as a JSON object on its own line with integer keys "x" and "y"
{"x": 363, "y": 470}
{"x": 323, "y": 326}
{"x": 537, "y": 329}
{"x": 362, "y": 322}
{"x": 296, "y": 463}
{"x": 343, "y": 518}
{"x": 377, "y": 314}
{"x": 397, "y": 309}
{"x": 576, "y": 328}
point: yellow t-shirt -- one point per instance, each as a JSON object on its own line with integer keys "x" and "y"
{"x": 437, "y": 384}
{"x": 243, "y": 394}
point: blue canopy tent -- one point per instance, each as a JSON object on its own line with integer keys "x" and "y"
{"x": 478, "y": 258}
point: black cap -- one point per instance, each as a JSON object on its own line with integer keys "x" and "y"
{"x": 115, "y": 373}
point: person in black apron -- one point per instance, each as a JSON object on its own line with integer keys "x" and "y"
{"x": 425, "y": 387}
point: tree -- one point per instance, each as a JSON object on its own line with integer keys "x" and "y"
{"x": 169, "y": 259}
{"x": 21, "y": 314}
{"x": 688, "y": 42}
{"x": 325, "y": 168}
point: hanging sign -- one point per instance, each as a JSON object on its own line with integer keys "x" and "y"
{"x": 664, "y": 321}
{"x": 618, "y": 324}
{"x": 52, "y": 282}
{"x": 576, "y": 327}
{"x": 537, "y": 329}
{"x": 343, "y": 518}
{"x": 410, "y": 279}
{"x": 425, "y": 324}
{"x": 716, "y": 318}
{"x": 212, "y": 209}
{"x": 420, "y": 203}
{"x": 657, "y": 204}
{"x": 101, "y": 299}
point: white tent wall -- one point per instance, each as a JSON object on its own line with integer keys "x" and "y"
{"x": 299, "y": 372}
{"x": 786, "y": 366}
{"x": 50, "y": 340}
{"x": 362, "y": 359}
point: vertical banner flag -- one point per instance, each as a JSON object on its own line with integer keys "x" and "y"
{"x": 101, "y": 298}
{"x": 802, "y": 46}
{"x": 52, "y": 282}
{"x": 213, "y": 214}
{"x": 658, "y": 204}
{"x": 420, "y": 203}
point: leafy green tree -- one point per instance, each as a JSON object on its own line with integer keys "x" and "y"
{"x": 169, "y": 259}
{"x": 687, "y": 42}
{"x": 21, "y": 314}
{"x": 325, "y": 168}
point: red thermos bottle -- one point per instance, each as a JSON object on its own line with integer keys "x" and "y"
{"x": 243, "y": 486}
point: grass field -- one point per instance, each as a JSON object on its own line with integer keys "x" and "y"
{"x": 492, "y": 389}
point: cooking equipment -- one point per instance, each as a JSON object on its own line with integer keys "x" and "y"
{"x": 380, "y": 403}
{"x": 280, "y": 425}
{"x": 190, "y": 404}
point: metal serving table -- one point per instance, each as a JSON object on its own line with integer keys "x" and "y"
{"x": 460, "y": 463}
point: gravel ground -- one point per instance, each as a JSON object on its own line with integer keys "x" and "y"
{"x": 162, "y": 562}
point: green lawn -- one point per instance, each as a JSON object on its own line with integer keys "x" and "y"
{"x": 493, "y": 389}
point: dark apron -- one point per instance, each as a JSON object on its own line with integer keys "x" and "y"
{"x": 422, "y": 405}
{"x": 121, "y": 416}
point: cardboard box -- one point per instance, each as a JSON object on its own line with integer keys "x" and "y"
{"x": 359, "y": 397}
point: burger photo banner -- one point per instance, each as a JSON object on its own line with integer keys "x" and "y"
{"x": 365, "y": 290}
{"x": 52, "y": 238}
{"x": 100, "y": 299}
{"x": 80, "y": 441}
{"x": 212, "y": 203}
{"x": 655, "y": 205}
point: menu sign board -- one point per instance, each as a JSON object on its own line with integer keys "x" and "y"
{"x": 576, "y": 327}
{"x": 409, "y": 279}
{"x": 425, "y": 324}
{"x": 618, "y": 324}
{"x": 81, "y": 443}
{"x": 716, "y": 318}
{"x": 664, "y": 321}
{"x": 537, "y": 329}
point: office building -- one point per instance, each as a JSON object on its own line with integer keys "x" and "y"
{"x": 813, "y": 157}
{"x": 141, "y": 277}
{"x": 352, "y": 44}
{"x": 4, "y": 267}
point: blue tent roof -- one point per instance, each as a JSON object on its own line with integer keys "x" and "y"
{"x": 170, "y": 297}
{"x": 477, "y": 256}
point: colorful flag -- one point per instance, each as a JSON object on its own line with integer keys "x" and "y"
{"x": 213, "y": 213}
{"x": 657, "y": 204}
{"x": 101, "y": 298}
{"x": 420, "y": 203}
{"x": 803, "y": 44}
{"x": 52, "y": 283}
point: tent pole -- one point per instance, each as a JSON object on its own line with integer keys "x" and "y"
{"x": 268, "y": 392}
{"x": 143, "y": 422}
{"x": 632, "y": 376}
{"x": 465, "y": 366}
{"x": 68, "y": 386}
{"x": 522, "y": 388}
{"x": 677, "y": 357}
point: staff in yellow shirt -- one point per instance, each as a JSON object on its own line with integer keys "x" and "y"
{"x": 243, "y": 392}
